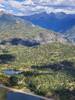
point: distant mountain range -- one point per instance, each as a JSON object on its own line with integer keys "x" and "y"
{"x": 58, "y": 22}
{"x": 15, "y": 30}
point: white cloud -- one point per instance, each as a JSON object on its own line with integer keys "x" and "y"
{"x": 27, "y": 7}
{"x": 15, "y": 4}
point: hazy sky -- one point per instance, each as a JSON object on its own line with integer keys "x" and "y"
{"x": 27, "y": 7}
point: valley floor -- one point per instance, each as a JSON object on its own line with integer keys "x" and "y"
{"x": 46, "y": 70}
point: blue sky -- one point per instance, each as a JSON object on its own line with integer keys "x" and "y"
{"x": 28, "y": 7}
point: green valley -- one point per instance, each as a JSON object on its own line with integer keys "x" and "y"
{"x": 46, "y": 59}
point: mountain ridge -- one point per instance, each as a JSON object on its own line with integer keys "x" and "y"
{"x": 59, "y": 22}
{"x": 14, "y": 26}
